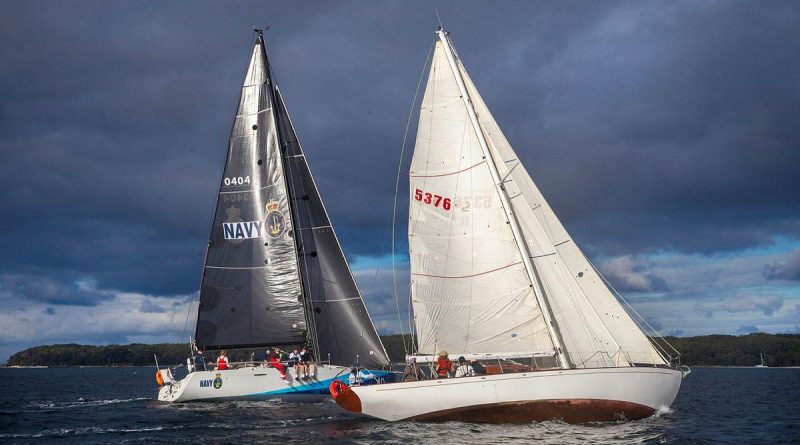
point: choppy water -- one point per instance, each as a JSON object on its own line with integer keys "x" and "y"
{"x": 115, "y": 405}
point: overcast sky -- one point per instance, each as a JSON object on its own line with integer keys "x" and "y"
{"x": 665, "y": 135}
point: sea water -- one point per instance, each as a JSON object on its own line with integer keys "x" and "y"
{"x": 117, "y": 405}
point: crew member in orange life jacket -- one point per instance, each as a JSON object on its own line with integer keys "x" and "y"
{"x": 222, "y": 361}
{"x": 443, "y": 365}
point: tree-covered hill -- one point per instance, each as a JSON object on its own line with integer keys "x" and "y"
{"x": 729, "y": 350}
{"x": 708, "y": 350}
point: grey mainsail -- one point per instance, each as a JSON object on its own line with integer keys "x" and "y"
{"x": 340, "y": 322}
{"x": 251, "y": 294}
{"x": 275, "y": 273}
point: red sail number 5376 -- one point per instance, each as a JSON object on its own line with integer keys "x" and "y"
{"x": 434, "y": 200}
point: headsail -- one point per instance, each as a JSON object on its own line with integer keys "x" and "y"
{"x": 251, "y": 294}
{"x": 341, "y": 326}
{"x": 470, "y": 289}
{"x": 596, "y": 328}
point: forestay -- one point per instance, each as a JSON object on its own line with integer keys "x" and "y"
{"x": 251, "y": 293}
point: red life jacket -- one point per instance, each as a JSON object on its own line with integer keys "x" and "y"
{"x": 443, "y": 366}
{"x": 222, "y": 363}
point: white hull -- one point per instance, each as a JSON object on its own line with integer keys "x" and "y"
{"x": 254, "y": 383}
{"x": 578, "y": 395}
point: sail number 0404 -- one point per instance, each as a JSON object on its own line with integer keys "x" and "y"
{"x": 237, "y": 180}
{"x": 431, "y": 199}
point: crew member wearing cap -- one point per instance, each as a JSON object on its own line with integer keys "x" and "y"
{"x": 443, "y": 365}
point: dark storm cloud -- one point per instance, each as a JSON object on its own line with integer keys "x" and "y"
{"x": 788, "y": 269}
{"x": 648, "y": 126}
{"x": 38, "y": 288}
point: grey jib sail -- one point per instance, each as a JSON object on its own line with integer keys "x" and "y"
{"x": 341, "y": 326}
{"x": 251, "y": 294}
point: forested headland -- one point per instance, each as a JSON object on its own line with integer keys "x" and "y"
{"x": 707, "y": 350}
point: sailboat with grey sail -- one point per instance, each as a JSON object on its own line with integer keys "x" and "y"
{"x": 274, "y": 271}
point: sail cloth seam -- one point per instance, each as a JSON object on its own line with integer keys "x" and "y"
{"x": 336, "y": 300}
{"x": 467, "y": 276}
{"x": 517, "y": 291}
{"x": 249, "y": 190}
{"x": 236, "y": 268}
{"x": 315, "y": 228}
{"x": 448, "y": 174}
{"x": 440, "y": 104}
{"x": 253, "y": 114}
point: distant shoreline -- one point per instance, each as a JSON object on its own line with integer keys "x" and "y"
{"x": 726, "y": 351}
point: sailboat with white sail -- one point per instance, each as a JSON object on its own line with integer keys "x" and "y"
{"x": 495, "y": 277}
{"x": 274, "y": 271}
{"x": 762, "y": 364}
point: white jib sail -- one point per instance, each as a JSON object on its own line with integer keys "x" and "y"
{"x": 470, "y": 290}
{"x": 595, "y": 328}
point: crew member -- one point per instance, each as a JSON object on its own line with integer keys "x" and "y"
{"x": 275, "y": 362}
{"x": 412, "y": 373}
{"x": 222, "y": 361}
{"x": 443, "y": 365}
{"x": 464, "y": 369}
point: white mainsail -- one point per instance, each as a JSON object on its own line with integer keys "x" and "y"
{"x": 471, "y": 292}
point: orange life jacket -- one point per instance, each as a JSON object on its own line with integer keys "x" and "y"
{"x": 443, "y": 366}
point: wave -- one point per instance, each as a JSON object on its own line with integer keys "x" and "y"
{"x": 61, "y": 432}
{"x": 80, "y": 403}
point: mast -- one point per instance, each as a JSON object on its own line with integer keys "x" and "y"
{"x": 508, "y": 209}
{"x": 282, "y": 143}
